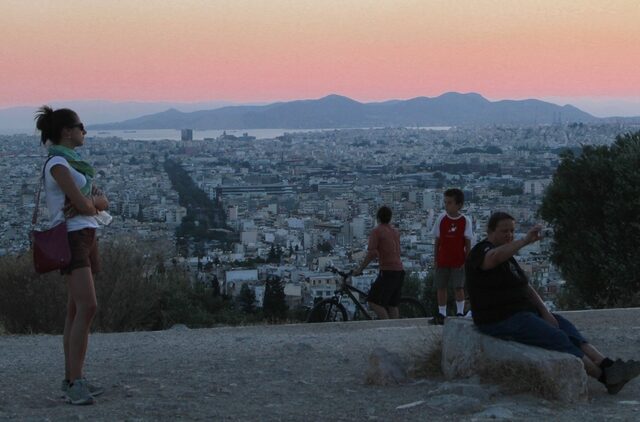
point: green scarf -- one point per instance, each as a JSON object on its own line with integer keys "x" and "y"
{"x": 74, "y": 160}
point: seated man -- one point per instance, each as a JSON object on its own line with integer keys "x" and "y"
{"x": 505, "y": 305}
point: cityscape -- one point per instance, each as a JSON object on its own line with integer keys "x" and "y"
{"x": 291, "y": 205}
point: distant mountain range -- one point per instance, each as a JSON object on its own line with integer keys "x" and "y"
{"x": 334, "y": 111}
{"x": 20, "y": 119}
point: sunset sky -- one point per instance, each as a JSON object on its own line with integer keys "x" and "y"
{"x": 268, "y": 50}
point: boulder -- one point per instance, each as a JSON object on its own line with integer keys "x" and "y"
{"x": 466, "y": 352}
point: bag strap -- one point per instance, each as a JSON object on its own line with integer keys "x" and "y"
{"x": 34, "y": 218}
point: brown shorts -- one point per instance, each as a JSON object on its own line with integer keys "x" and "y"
{"x": 84, "y": 251}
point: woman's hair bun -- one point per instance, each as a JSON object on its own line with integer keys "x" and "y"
{"x": 43, "y": 118}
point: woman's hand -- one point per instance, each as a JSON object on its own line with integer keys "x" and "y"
{"x": 95, "y": 191}
{"x": 100, "y": 202}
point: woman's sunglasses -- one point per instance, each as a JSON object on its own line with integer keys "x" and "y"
{"x": 79, "y": 126}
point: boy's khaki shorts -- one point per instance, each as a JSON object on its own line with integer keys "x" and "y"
{"x": 446, "y": 277}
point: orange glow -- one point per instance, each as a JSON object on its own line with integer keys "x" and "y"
{"x": 254, "y": 50}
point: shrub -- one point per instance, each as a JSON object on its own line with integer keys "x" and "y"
{"x": 134, "y": 291}
{"x": 30, "y": 303}
{"x": 427, "y": 360}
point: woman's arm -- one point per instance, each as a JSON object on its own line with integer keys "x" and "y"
{"x": 83, "y": 205}
{"x": 100, "y": 200}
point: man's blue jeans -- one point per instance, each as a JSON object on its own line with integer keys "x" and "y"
{"x": 529, "y": 328}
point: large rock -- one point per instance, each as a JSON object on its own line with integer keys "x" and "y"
{"x": 466, "y": 352}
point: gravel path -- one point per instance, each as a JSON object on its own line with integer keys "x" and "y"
{"x": 286, "y": 372}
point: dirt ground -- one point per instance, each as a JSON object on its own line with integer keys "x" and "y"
{"x": 286, "y": 372}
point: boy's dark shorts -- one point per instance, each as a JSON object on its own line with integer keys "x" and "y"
{"x": 387, "y": 288}
{"x": 84, "y": 251}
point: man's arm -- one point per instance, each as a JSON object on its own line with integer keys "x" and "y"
{"x": 497, "y": 256}
{"x": 371, "y": 255}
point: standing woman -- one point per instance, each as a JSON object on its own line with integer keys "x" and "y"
{"x": 71, "y": 196}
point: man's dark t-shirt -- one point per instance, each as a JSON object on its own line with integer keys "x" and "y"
{"x": 498, "y": 293}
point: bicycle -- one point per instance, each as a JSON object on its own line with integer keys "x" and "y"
{"x": 332, "y": 309}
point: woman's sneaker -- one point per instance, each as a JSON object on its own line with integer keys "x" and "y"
{"x": 94, "y": 390}
{"x": 78, "y": 393}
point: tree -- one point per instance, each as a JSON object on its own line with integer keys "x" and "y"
{"x": 247, "y": 299}
{"x": 215, "y": 286}
{"x": 325, "y": 247}
{"x": 411, "y": 287}
{"x": 424, "y": 290}
{"x": 274, "y": 305}
{"x": 592, "y": 204}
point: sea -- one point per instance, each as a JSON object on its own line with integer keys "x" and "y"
{"x": 175, "y": 135}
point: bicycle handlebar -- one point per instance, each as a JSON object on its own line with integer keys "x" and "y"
{"x": 341, "y": 273}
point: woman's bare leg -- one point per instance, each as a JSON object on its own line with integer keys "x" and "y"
{"x": 68, "y": 322}
{"x": 83, "y": 294}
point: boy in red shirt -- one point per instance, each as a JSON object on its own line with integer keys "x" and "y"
{"x": 453, "y": 233}
{"x": 384, "y": 244}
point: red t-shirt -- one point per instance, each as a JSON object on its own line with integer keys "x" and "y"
{"x": 452, "y": 232}
{"x": 384, "y": 243}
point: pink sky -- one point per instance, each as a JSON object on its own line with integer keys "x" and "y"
{"x": 257, "y": 50}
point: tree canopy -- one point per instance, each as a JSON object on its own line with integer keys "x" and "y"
{"x": 274, "y": 305}
{"x": 593, "y": 204}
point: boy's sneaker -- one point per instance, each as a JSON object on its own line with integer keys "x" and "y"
{"x": 78, "y": 393}
{"x": 460, "y": 315}
{"x": 438, "y": 319}
{"x": 620, "y": 373}
{"x": 94, "y": 390}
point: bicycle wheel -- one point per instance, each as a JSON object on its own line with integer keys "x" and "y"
{"x": 327, "y": 310}
{"x": 411, "y": 308}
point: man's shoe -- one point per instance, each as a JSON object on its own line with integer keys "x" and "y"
{"x": 460, "y": 315}
{"x": 94, "y": 390}
{"x": 78, "y": 393}
{"x": 616, "y": 372}
{"x": 624, "y": 372}
{"x": 438, "y": 319}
